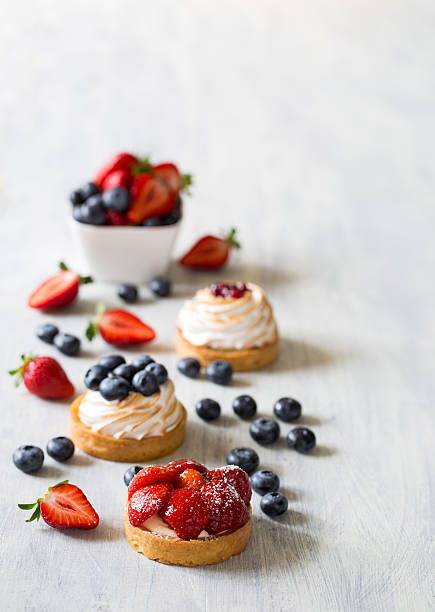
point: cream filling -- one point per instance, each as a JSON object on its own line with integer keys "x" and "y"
{"x": 220, "y": 323}
{"x": 157, "y": 525}
{"x": 135, "y": 417}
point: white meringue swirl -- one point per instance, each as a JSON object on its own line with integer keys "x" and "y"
{"x": 221, "y": 323}
{"x": 135, "y": 417}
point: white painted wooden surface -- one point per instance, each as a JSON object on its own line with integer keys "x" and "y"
{"x": 310, "y": 126}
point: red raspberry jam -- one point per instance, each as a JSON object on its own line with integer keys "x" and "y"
{"x": 229, "y": 290}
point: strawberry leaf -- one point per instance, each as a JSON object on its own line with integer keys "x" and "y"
{"x": 91, "y": 331}
{"x": 85, "y": 280}
{"x": 27, "y": 506}
{"x": 142, "y": 167}
{"x": 36, "y": 515}
{"x": 231, "y": 239}
{"x": 185, "y": 183}
{"x": 63, "y": 266}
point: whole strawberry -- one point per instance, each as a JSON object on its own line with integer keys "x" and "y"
{"x": 44, "y": 377}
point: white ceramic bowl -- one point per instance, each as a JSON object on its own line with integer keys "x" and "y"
{"x": 131, "y": 254}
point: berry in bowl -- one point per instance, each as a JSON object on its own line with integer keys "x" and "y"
{"x": 126, "y": 220}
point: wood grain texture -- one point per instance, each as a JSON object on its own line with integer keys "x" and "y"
{"x": 310, "y": 127}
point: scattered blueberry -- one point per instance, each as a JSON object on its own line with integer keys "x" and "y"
{"x": 125, "y": 370}
{"x": 159, "y": 371}
{"x": 145, "y": 383}
{"x": 161, "y": 286}
{"x": 67, "y": 344}
{"x": 264, "y": 481}
{"x": 219, "y": 372}
{"x": 170, "y": 218}
{"x": 141, "y": 362}
{"x": 301, "y": 439}
{"x": 89, "y": 190}
{"x": 76, "y": 197}
{"x": 117, "y": 199}
{"x": 287, "y": 409}
{"x": 246, "y": 458}
{"x": 245, "y": 406}
{"x": 114, "y": 388}
{"x": 264, "y": 431}
{"x": 128, "y": 293}
{"x": 131, "y": 473}
{"x": 60, "y": 448}
{"x": 274, "y": 503}
{"x": 47, "y": 332}
{"x": 207, "y": 409}
{"x": 111, "y": 361}
{"x": 94, "y": 376}
{"x": 189, "y": 366}
{"x": 28, "y": 458}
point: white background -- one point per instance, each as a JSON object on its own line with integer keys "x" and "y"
{"x": 310, "y": 127}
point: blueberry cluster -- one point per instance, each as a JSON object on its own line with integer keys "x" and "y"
{"x": 115, "y": 379}
{"x": 29, "y": 459}
{"x": 219, "y": 372}
{"x": 93, "y": 207}
{"x": 65, "y": 343}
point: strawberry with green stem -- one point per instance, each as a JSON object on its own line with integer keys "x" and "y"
{"x": 59, "y": 290}
{"x": 64, "y": 506}
{"x": 118, "y": 327}
{"x": 44, "y": 377}
{"x": 210, "y": 252}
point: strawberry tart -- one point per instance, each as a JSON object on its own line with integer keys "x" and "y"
{"x": 129, "y": 413}
{"x": 184, "y": 514}
{"x": 228, "y": 320}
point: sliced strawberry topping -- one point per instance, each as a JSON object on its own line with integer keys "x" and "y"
{"x": 118, "y": 178}
{"x": 122, "y": 161}
{"x": 210, "y": 251}
{"x": 152, "y": 474}
{"x": 184, "y": 464}
{"x": 121, "y": 327}
{"x": 44, "y": 377}
{"x": 146, "y": 502}
{"x": 150, "y": 197}
{"x": 191, "y": 478}
{"x": 227, "y": 509}
{"x": 186, "y": 512}
{"x": 235, "y": 476}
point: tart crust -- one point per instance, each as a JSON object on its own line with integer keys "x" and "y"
{"x": 187, "y": 552}
{"x": 125, "y": 449}
{"x": 241, "y": 360}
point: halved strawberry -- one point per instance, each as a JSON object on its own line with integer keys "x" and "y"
{"x": 149, "y": 197}
{"x": 118, "y": 178}
{"x": 191, "y": 478}
{"x": 146, "y": 502}
{"x": 122, "y": 161}
{"x": 185, "y": 464}
{"x": 153, "y": 474}
{"x": 235, "y": 476}
{"x": 58, "y": 290}
{"x": 64, "y": 506}
{"x": 227, "y": 508}
{"x": 186, "y": 512}
{"x": 115, "y": 218}
{"x": 210, "y": 251}
{"x": 169, "y": 174}
{"x": 44, "y": 377}
{"x": 119, "y": 327}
